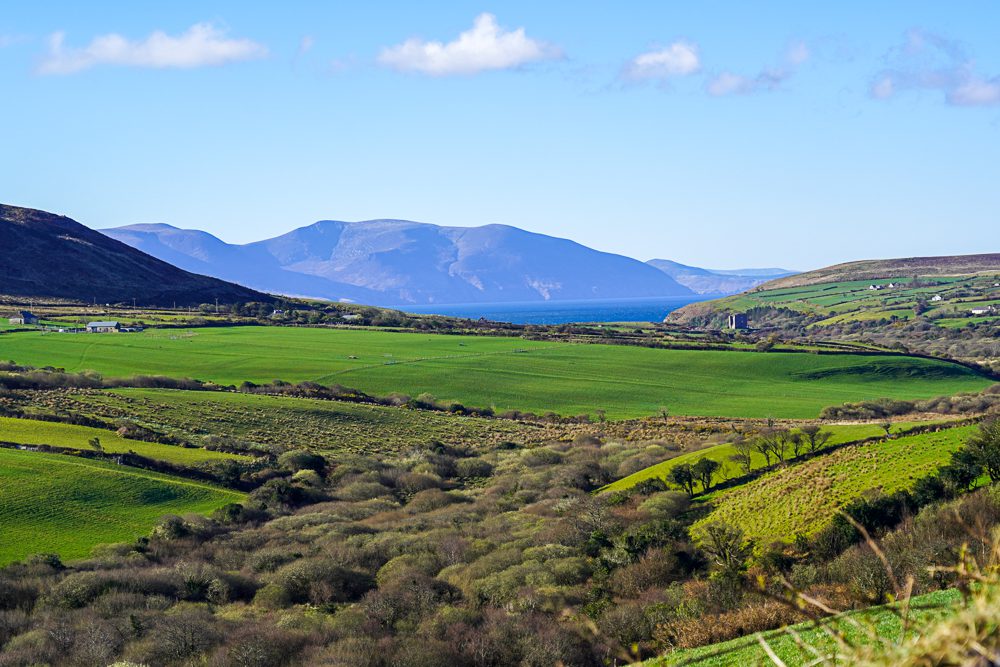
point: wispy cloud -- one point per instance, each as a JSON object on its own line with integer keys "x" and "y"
{"x": 486, "y": 46}
{"x": 766, "y": 80}
{"x": 306, "y": 44}
{"x": 11, "y": 40}
{"x": 201, "y": 45}
{"x": 678, "y": 59}
{"x": 925, "y": 61}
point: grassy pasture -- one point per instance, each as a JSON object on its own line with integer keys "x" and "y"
{"x": 721, "y": 453}
{"x": 858, "y": 628}
{"x": 507, "y": 373}
{"x": 803, "y": 497}
{"x": 53, "y": 503}
{"x": 30, "y": 432}
{"x": 293, "y": 422}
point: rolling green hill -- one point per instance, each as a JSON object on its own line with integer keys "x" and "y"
{"x": 841, "y": 433}
{"x": 31, "y": 432}
{"x": 507, "y": 373}
{"x": 875, "y": 269}
{"x": 829, "y": 297}
{"x": 803, "y": 497}
{"x": 52, "y": 503}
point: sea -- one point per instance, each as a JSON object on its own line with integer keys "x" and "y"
{"x": 565, "y": 312}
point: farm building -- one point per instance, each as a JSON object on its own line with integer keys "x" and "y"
{"x": 24, "y": 317}
{"x": 936, "y": 297}
{"x": 738, "y": 321}
{"x": 983, "y": 310}
{"x": 103, "y": 327}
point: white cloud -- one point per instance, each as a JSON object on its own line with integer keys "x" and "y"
{"x": 926, "y": 61}
{"x": 306, "y": 44}
{"x": 678, "y": 59}
{"x": 798, "y": 53}
{"x": 728, "y": 83}
{"x": 201, "y": 45}
{"x": 486, "y": 46}
{"x": 976, "y": 92}
{"x": 883, "y": 88}
{"x": 766, "y": 80}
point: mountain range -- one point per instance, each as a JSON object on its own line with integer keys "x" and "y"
{"x": 717, "y": 281}
{"x": 399, "y": 263}
{"x": 43, "y": 255}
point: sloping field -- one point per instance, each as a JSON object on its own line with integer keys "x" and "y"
{"x": 30, "y": 432}
{"x": 508, "y": 373}
{"x": 729, "y": 469}
{"x": 53, "y": 503}
{"x": 803, "y": 497}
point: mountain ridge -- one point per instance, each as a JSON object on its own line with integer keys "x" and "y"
{"x": 717, "y": 281}
{"x": 47, "y": 255}
{"x": 399, "y": 262}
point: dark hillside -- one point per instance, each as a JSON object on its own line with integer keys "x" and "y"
{"x": 46, "y": 255}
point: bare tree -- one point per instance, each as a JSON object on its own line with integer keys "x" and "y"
{"x": 763, "y": 447}
{"x": 815, "y": 436}
{"x": 744, "y": 453}
{"x": 798, "y": 443}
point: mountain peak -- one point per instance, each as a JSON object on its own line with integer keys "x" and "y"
{"x": 392, "y": 262}
{"x": 93, "y": 266}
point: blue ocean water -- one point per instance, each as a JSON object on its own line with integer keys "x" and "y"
{"x": 564, "y": 312}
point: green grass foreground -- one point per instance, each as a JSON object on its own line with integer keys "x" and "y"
{"x": 53, "y": 503}
{"x": 507, "y": 373}
{"x": 857, "y": 628}
{"x": 31, "y": 432}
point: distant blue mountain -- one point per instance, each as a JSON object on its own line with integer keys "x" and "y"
{"x": 717, "y": 281}
{"x": 397, "y": 262}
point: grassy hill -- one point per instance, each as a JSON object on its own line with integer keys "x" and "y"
{"x": 842, "y": 302}
{"x": 841, "y": 433}
{"x": 31, "y": 432}
{"x": 803, "y": 497}
{"x": 943, "y": 290}
{"x": 52, "y": 503}
{"x": 956, "y": 265}
{"x": 508, "y": 373}
{"x": 52, "y": 256}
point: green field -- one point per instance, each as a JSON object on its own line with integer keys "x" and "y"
{"x": 330, "y": 426}
{"x": 31, "y": 432}
{"x": 53, "y": 503}
{"x": 506, "y": 373}
{"x": 857, "y": 628}
{"x": 803, "y": 497}
{"x": 729, "y": 469}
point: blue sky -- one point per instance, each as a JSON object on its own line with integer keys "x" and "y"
{"x": 721, "y": 134}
